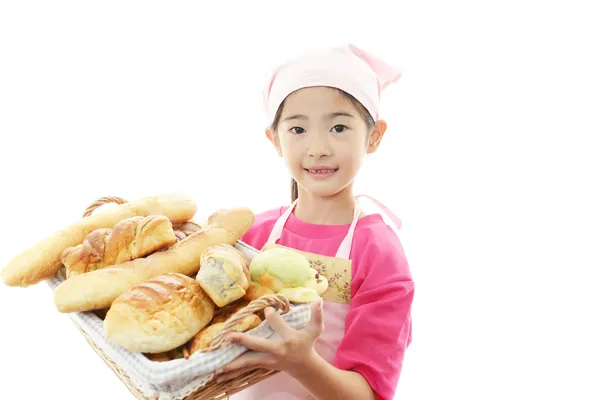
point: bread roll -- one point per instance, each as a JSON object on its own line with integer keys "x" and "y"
{"x": 279, "y": 268}
{"x": 43, "y": 259}
{"x": 300, "y": 294}
{"x": 180, "y": 352}
{"x": 98, "y": 289}
{"x": 131, "y": 238}
{"x": 223, "y": 274}
{"x": 158, "y": 315}
{"x": 256, "y": 291}
{"x": 223, "y": 314}
{"x": 203, "y": 338}
{"x": 187, "y": 227}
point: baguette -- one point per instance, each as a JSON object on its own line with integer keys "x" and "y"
{"x": 98, "y": 289}
{"x": 43, "y": 259}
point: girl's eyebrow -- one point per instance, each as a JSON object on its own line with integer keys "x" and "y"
{"x": 338, "y": 114}
{"x": 297, "y": 116}
{"x": 328, "y": 116}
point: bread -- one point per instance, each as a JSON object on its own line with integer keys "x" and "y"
{"x": 43, "y": 259}
{"x": 131, "y": 238}
{"x": 256, "y": 291}
{"x": 203, "y": 338}
{"x": 158, "y": 315}
{"x": 187, "y": 227}
{"x": 279, "y": 268}
{"x": 180, "y": 352}
{"x": 98, "y": 289}
{"x": 223, "y": 314}
{"x": 223, "y": 274}
{"x": 300, "y": 294}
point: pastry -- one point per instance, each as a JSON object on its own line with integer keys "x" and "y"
{"x": 98, "y": 289}
{"x": 158, "y": 315}
{"x": 43, "y": 260}
{"x": 279, "y": 267}
{"x": 131, "y": 238}
{"x": 223, "y": 274}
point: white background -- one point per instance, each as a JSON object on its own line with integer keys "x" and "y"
{"x": 491, "y": 160}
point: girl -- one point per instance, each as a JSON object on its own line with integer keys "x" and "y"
{"x": 324, "y": 118}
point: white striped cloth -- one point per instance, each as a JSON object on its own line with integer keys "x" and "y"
{"x": 175, "y": 379}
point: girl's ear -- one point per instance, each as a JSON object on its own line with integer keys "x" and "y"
{"x": 274, "y": 138}
{"x": 376, "y": 136}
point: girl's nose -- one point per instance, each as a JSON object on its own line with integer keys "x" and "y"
{"x": 318, "y": 146}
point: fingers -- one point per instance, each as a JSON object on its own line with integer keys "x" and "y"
{"x": 315, "y": 324}
{"x": 277, "y": 323}
{"x": 253, "y": 342}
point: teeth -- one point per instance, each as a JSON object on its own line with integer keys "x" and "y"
{"x": 321, "y": 171}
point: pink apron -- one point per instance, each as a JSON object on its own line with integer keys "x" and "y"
{"x": 336, "y": 304}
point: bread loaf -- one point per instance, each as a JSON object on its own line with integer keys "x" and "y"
{"x": 223, "y": 274}
{"x": 158, "y": 315}
{"x": 43, "y": 259}
{"x": 131, "y": 238}
{"x": 98, "y": 289}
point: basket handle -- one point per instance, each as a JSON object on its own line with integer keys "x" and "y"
{"x": 100, "y": 202}
{"x": 270, "y": 300}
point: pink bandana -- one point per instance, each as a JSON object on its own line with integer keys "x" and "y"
{"x": 347, "y": 68}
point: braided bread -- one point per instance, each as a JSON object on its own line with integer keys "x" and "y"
{"x": 130, "y": 238}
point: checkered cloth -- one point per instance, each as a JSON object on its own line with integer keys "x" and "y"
{"x": 175, "y": 379}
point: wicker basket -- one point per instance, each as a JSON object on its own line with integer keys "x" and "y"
{"x": 89, "y": 323}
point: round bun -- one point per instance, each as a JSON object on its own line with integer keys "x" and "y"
{"x": 256, "y": 291}
{"x": 158, "y": 315}
{"x": 300, "y": 294}
{"x": 281, "y": 267}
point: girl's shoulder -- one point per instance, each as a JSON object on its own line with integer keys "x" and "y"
{"x": 372, "y": 231}
{"x": 377, "y": 245}
{"x": 260, "y": 230}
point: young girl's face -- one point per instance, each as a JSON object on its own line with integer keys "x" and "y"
{"x": 323, "y": 139}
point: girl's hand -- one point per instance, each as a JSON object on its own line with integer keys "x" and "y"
{"x": 293, "y": 353}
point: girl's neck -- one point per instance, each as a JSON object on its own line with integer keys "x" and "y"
{"x": 333, "y": 210}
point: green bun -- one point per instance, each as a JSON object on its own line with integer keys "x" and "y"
{"x": 279, "y": 268}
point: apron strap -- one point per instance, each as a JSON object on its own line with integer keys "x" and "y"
{"x": 386, "y": 210}
{"x": 280, "y": 223}
{"x": 346, "y": 245}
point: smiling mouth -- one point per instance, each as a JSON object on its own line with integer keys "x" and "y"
{"x": 320, "y": 170}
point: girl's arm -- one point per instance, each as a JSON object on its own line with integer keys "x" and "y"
{"x": 378, "y": 331}
{"x": 324, "y": 381}
{"x": 296, "y": 355}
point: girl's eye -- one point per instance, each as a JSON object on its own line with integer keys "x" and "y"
{"x": 339, "y": 128}
{"x": 297, "y": 130}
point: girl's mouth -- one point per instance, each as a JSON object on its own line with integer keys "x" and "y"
{"x": 321, "y": 172}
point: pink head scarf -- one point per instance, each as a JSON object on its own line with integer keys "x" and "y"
{"x": 347, "y": 68}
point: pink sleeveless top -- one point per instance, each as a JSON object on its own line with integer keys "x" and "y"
{"x": 371, "y": 331}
